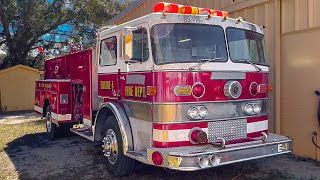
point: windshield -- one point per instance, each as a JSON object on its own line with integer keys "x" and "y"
{"x": 179, "y": 43}
{"x": 246, "y": 45}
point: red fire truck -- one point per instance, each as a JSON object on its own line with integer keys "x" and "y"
{"x": 184, "y": 88}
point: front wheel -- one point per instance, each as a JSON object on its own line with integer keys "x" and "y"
{"x": 117, "y": 162}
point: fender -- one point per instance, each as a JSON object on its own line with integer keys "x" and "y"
{"x": 108, "y": 109}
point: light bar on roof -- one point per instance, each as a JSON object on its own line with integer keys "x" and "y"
{"x": 184, "y": 9}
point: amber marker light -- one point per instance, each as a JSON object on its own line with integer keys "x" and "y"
{"x": 182, "y": 90}
{"x": 151, "y": 90}
{"x": 270, "y": 88}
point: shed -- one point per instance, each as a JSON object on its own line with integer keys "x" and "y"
{"x": 17, "y": 88}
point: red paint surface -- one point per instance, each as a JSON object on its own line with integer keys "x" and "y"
{"x": 166, "y": 82}
{"x": 77, "y": 68}
{"x": 257, "y": 119}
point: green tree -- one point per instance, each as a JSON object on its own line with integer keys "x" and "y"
{"x": 23, "y": 23}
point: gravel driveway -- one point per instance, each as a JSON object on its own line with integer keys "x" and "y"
{"x": 34, "y": 156}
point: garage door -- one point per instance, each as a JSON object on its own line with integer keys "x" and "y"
{"x": 300, "y": 77}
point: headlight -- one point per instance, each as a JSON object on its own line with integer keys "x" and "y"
{"x": 203, "y": 111}
{"x": 252, "y": 108}
{"x": 193, "y": 112}
{"x": 197, "y": 112}
{"x": 248, "y": 109}
{"x": 257, "y": 108}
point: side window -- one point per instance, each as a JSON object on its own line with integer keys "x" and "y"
{"x": 108, "y": 51}
{"x": 140, "y": 45}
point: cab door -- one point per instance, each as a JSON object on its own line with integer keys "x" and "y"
{"x": 136, "y": 82}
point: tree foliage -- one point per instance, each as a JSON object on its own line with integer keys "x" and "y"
{"x": 24, "y": 24}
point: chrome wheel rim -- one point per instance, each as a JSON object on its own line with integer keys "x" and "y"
{"x": 48, "y": 121}
{"x": 110, "y": 146}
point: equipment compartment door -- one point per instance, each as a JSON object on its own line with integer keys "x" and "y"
{"x": 77, "y": 102}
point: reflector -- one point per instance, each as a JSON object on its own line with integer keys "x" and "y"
{"x": 157, "y": 158}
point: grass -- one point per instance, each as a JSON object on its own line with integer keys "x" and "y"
{"x": 8, "y": 134}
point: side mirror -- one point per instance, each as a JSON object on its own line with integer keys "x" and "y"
{"x": 128, "y": 46}
{"x": 135, "y": 45}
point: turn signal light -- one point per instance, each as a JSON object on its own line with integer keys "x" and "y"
{"x": 166, "y": 7}
{"x": 157, "y": 158}
{"x": 262, "y": 88}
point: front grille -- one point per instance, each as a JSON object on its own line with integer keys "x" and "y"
{"x": 229, "y": 130}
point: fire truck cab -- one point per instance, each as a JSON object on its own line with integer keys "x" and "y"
{"x": 183, "y": 88}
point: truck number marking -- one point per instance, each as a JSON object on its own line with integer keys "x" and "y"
{"x": 283, "y": 147}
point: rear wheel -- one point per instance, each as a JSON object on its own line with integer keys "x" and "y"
{"x": 117, "y": 162}
{"x": 53, "y": 130}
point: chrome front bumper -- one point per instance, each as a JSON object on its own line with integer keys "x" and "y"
{"x": 187, "y": 158}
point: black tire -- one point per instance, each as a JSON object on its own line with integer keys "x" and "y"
{"x": 53, "y": 131}
{"x": 123, "y": 165}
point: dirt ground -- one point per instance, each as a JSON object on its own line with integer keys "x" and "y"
{"x": 27, "y": 153}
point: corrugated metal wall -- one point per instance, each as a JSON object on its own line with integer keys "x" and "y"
{"x": 17, "y": 88}
{"x": 298, "y": 15}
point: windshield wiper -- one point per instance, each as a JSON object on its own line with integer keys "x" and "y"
{"x": 204, "y": 62}
{"x": 249, "y": 62}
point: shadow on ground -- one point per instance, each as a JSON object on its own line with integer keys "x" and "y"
{"x": 36, "y": 157}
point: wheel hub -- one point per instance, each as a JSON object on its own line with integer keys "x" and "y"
{"x": 110, "y": 146}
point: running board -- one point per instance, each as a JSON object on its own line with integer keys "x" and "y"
{"x": 83, "y": 132}
{"x": 138, "y": 155}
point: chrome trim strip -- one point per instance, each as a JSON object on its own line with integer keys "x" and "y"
{"x": 210, "y": 120}
{"x": 108, "y": 97}
{"x": 237, "y": 100}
